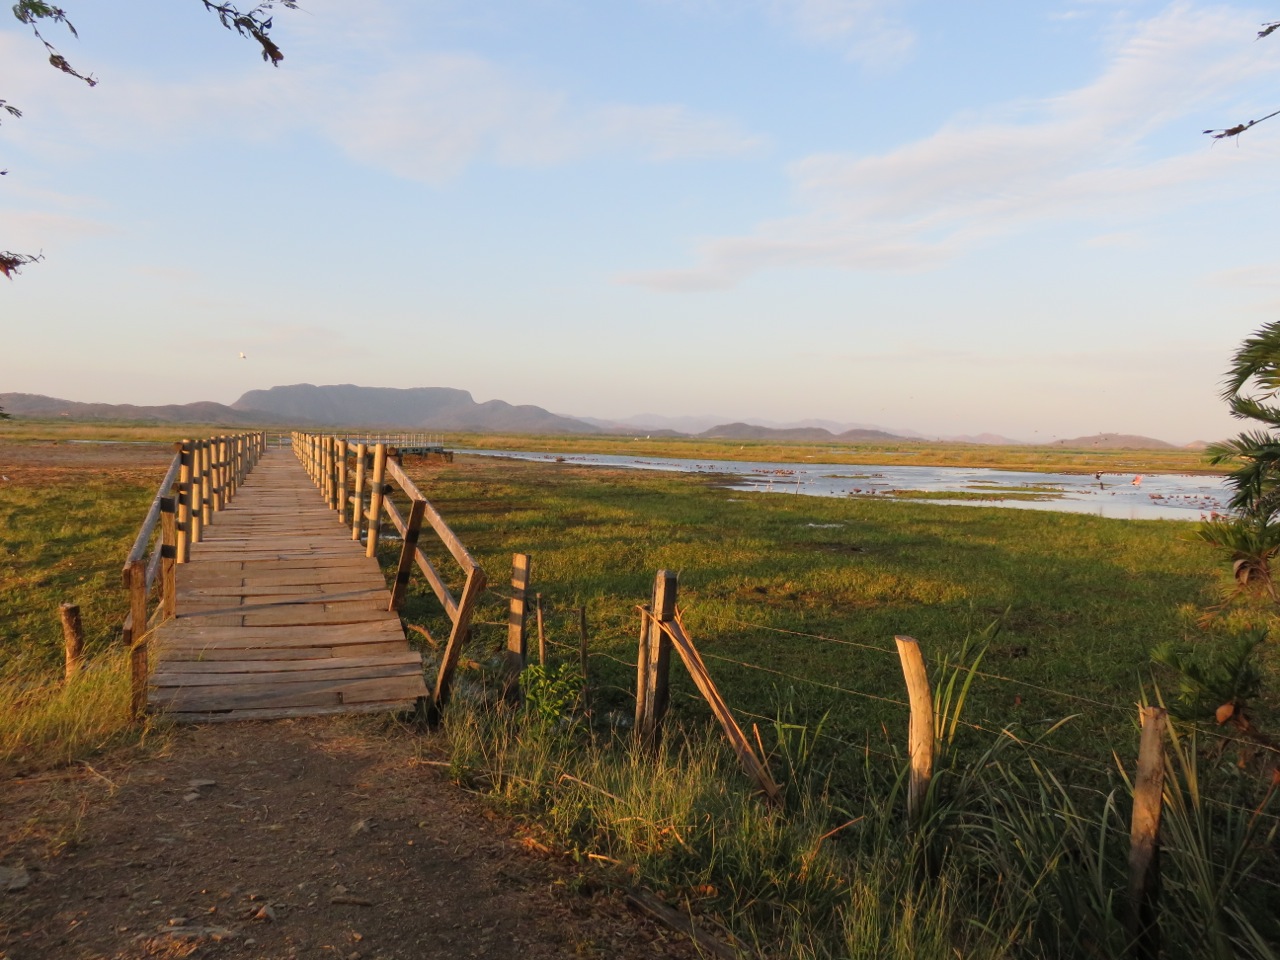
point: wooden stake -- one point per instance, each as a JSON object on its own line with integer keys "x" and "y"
{"x": 658, "y": 693}
{"x": 72, "y": 637}
{"x": 542, "y": 640}
{"x": 517, "y": 617}
{"x": 920, "y": 746}
{"x": 583, "y": 653}
{"x": 642, "y": 669}
{"x": 1144, "y": 837}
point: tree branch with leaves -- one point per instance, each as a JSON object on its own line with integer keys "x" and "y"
{"x": 255, "y": 24}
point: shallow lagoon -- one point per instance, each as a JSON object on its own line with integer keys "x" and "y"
{"x": 1156, "y": 497}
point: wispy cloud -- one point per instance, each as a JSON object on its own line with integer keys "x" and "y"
{"x": 426, "y": 117}
{"x": 869, "y": 31}
{"x": 1089, "y": 154}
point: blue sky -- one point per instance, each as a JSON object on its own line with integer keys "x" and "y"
{"x": 951, "y": 218}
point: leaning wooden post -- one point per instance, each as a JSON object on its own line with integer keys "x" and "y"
{"x": 342, "y": 481}
{"x": 375, "y": 498}
{"x": 657, "y": 694}
{"x": 921, "y": 738}
{"x": 184, "y": 501}
{"x": 1144, "y": 838}
{"x": 72, "y": 637}
{"x": 136, "y": 580}
{"x": 457, "y": 636}
{"x": 404, "y": 568}
{"x": 517, "y": 616}
{"x": 168, "y": 556}
{"x": 357, "y": 503}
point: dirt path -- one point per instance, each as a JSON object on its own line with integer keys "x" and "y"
{"x": 310, "y": 839}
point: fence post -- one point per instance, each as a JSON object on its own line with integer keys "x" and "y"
{"x": 375, "y": 498}
{"x": 457, "y": 636}
{"x": 72, "y": 637}
{"x": 542, "y": 638}
{"x": 517, "y": 616}
{"x": 657, "y": 674}
{"x": 357, "y": 506}
{"x": 583, "y": 656}
{"x": 921, "y": 738}
{"x": 1144, "y": 838}
{"x": 642, "y": 669}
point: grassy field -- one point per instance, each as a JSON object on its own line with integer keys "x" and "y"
{"x": 1080, "y": 601}
{"x": 794, "y": 602}
{"x": 1050, "y": 459}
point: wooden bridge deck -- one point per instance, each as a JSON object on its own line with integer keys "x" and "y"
{"x": 280, "y": 614}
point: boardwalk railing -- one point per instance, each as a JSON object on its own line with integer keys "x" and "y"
{"x": 355, "y": 479}
{"x": 202, "y": 478}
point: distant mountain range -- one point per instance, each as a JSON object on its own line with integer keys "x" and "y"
{"x": 448, "y": 409}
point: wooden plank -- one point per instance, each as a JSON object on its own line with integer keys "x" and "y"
{"x": 194, "y": 633}
{"x": 268, "y": 653}
{"x": 201, "y": 667}
{"x": 282, "y": 713}
{"x": 161, "y": 682}
{"x": 324, "y": 693}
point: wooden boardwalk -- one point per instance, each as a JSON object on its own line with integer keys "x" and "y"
{"x": 280, "y": 614}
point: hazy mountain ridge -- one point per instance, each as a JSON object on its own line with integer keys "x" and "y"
{"x": 750, "y": 431}
{"x": 423, "y": 408}
{"x": 202, "y": 411}
{"x": 451, "y": 409}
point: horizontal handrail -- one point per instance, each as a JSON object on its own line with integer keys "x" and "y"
{"x": 447, "y": 536}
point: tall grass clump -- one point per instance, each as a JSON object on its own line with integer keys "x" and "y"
{"x": 1018, "y": 851}
{"x": 46, "y": 723}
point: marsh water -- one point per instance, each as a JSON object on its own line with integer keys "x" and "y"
{"x": 1163, "y": 496}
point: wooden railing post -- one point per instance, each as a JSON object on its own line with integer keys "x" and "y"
{"x": 184, "y": 502}
{"x": 517, "y": 616}
{"x": 657, "y": 676}
{"x": 72, "y": 637}
{"x": 357, "y": 499}
{"x": 168, "y": 555}
{"x": 1144, "y": 838}
{"x": 136, "y": 581}
{"x": 375, "y": 498}
{"x": 206, "y": 483}
{"x": 921, "y": 736}
{"x": 342, "y": 481}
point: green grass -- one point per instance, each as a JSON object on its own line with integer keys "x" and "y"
{"x": 1081, "y": 600}
{"x": 63, "y": 538}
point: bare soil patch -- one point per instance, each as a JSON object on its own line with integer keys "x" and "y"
{"x": 325, "y": 838}
{"x": 62, "y": 461}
